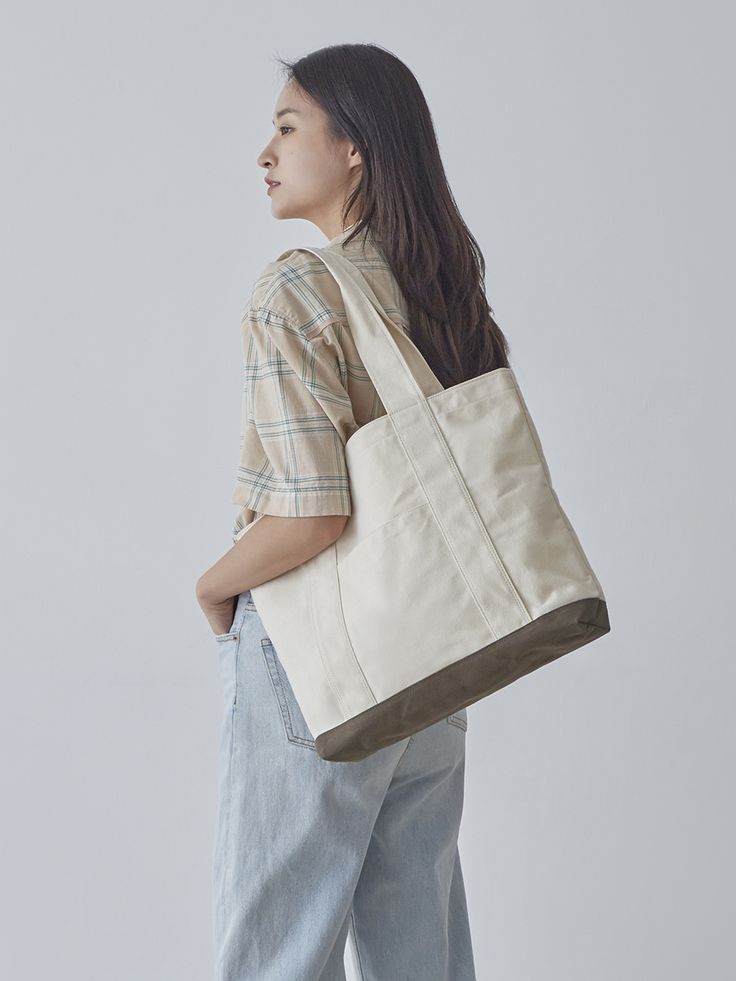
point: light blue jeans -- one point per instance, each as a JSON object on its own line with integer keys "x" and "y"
{"x": 308, "y": 851}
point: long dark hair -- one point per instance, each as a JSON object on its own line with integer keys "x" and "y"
{"x": 404, "y": 201}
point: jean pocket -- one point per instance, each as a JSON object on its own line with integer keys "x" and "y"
{"x": 243, "y": 606}
{"x": 228, "y": 650}
{"x": 232, "y": 634}
{"x": 295, "y": 725}
{"x": 234, "y": 631}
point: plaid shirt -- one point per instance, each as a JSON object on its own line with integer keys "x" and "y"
{"x": 306, "y": 389}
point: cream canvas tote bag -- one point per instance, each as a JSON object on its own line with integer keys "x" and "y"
{"x": 457, "y": 573}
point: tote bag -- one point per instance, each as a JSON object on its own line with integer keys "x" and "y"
{"x": 457, "y": 572}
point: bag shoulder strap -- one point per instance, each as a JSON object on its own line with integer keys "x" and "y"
{"x": 394, "y": 363}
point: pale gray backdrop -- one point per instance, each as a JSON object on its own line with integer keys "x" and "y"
{"x": 590, "y": 148}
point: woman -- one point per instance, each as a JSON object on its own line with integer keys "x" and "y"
{"x": 309, "y": 850}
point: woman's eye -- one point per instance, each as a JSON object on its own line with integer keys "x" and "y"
{"x": 282, "y": 128}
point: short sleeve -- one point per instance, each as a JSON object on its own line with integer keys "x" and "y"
{"x": 296, "y": 418}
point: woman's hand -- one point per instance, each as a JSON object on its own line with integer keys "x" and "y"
{"x": 220, "y": 614}
{"x": 272, "y": 546}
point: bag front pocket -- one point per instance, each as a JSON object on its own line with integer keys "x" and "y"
{"x": 295, "y": 725}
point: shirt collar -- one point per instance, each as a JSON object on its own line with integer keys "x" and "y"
{"x": 343, "y": 234}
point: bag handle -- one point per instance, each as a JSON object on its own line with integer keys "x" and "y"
{"x": 394, "y": 363}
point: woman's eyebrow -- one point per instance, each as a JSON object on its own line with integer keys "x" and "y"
{"x": 282, "y": 112}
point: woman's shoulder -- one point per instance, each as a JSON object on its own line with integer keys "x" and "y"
{"x": 298, "y": 287}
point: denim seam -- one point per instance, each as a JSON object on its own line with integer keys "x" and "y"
{"x": 281, "y": 699}
{"x": 357, "y": 949}
{"x": 406, "y": 750}
{"x": 231, "y": 766}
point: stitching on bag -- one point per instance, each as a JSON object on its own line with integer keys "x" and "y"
{"x": 469, "y": 381}
{"x": 448, "y": 456}
{"x": 345, "y": 628}
{"x": 464, "y": 405}
{"x": 357, "y": 454}
{"x": 586, "y": 623}
{"x": 439, "y": 524}
{"x": 331, "y": 680}
{"x": 563, "y": 515}
{"x": 365, "y": 299}
{"x": 388, "y": 521}
{"x": 537, "y": 446}
{"x": 475, "y": 513}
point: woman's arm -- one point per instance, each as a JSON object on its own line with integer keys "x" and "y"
{"x": 273, "y": 545}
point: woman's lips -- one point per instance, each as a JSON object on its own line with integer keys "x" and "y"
{"x": 271, "y": 187}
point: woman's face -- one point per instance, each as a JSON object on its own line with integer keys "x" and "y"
{"x": 316, "y": 173}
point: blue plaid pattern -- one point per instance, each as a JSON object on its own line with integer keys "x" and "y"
{"x": 306, "y": 390}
